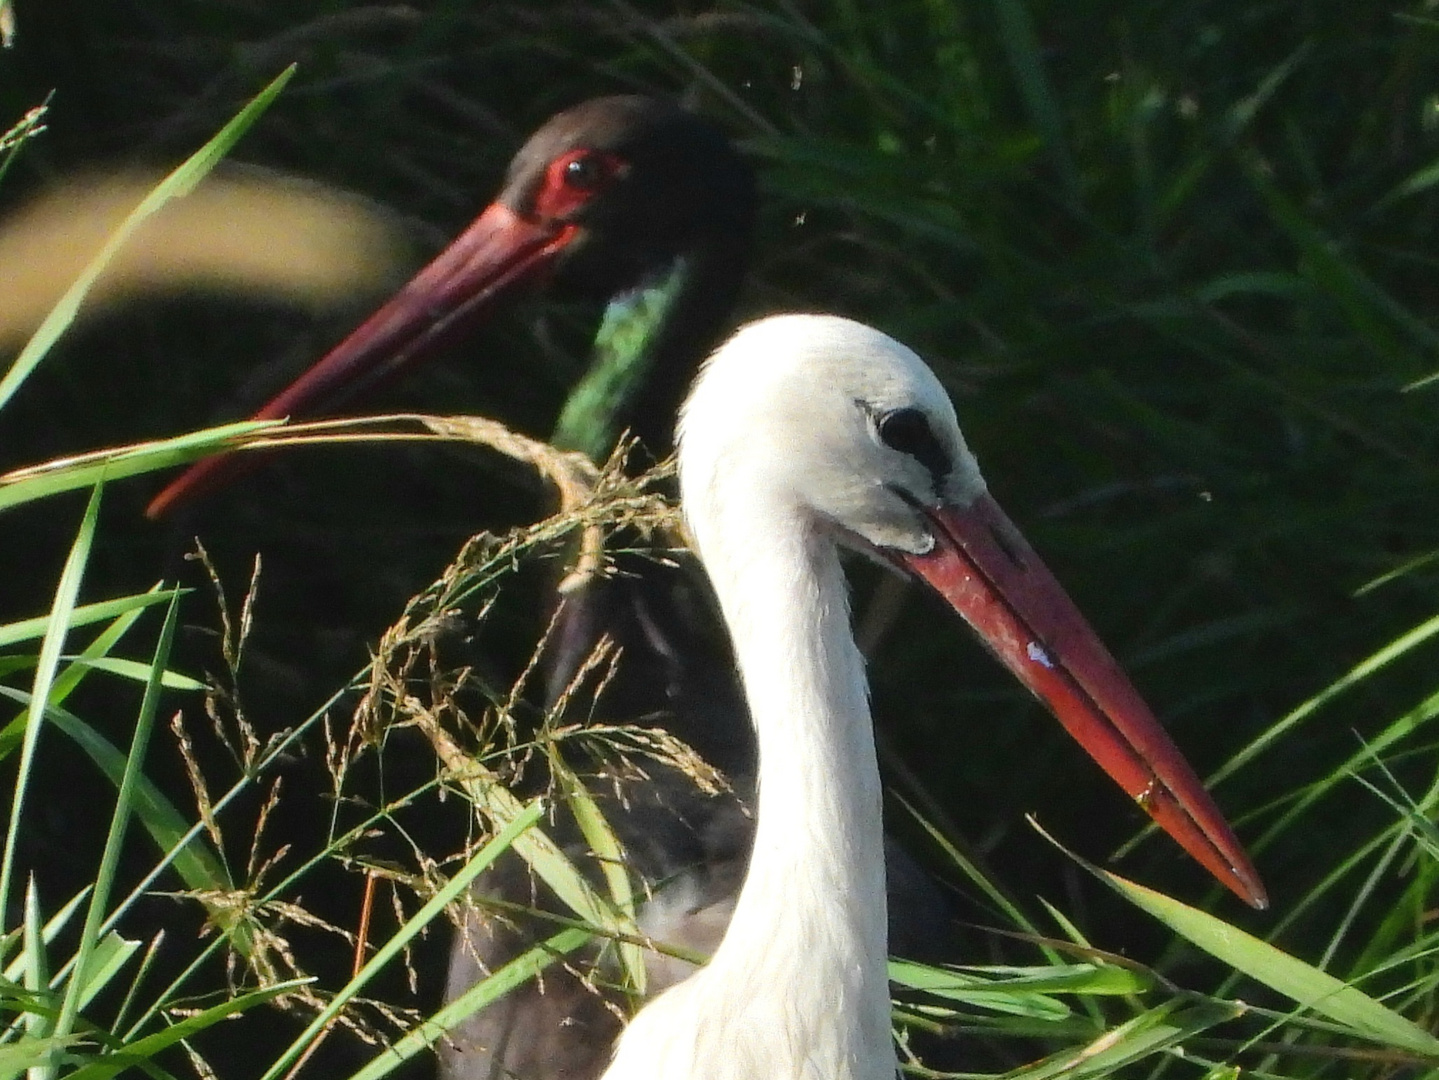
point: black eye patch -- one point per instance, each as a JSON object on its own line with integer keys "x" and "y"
{"x": 908, "y": 431}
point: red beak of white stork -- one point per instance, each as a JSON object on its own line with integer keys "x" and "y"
{"x": 987, "y": 571}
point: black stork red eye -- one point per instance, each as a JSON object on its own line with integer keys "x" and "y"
{"x": 584, "y": 173}
{"x": 908, "y": 431}
{"x": 573, "y": 179}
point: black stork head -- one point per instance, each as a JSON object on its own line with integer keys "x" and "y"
{"x": 605, "y": 199}
{"x": 641, "y": 181}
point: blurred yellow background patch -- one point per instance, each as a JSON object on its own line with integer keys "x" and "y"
{"x": 247, "y": 231}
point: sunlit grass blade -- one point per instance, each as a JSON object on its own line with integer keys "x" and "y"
{"x": 194, "y": 862}
{"x": 48, "y": 478}
{"x": 976, "y": 875}
{"x": 53, "y": 644}
{"x": 125, "y": 615}
{"x": 1390, "y": 738}
{"x": 29, "y": 125}
{"x": 152, "y": 952}
{"x": 967, "y": 989}
{"x": 131, "y": 670}
{"x": 1144, "y": 1036}
{"x": 138, "y": 1053}
{"x": 124, "y": 804}
{"x": 177, "y": 184}
{"x": 28, "y": 1054}
{"x": 30, "y": 629}
{"x": 100, "y": 648}
{"x": 1306, "y": 985}
{"x": 52, "y": 478}
{"x": 606, "y": 846}
{"x": 515, "y": 973}
{"x": 15, "y": 970}
{"x": 432, "y": 908}
{"x": 135, "y": 671}
{"x": 38, "y": 1024}
{"x": 1404, "y": 569}
{"x": 1049, "y": 979}
{"x": 111, "y": 953}
{"x": 1286, "y": 725}
{"x": 544, "y": 856}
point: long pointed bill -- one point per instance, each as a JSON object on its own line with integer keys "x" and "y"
{"x": 984, "y": 567}
{"x": 497, "y": 253}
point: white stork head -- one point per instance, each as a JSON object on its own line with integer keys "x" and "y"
{"x": 830, "y": 417}
{"x": 816, "y": 426}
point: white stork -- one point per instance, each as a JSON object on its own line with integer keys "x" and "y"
{"x": 805, "y": 434}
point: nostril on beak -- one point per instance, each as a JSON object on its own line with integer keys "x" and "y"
{"x": 1006, "y": 544}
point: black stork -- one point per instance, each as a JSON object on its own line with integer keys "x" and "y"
{"x": 629, "y": 199}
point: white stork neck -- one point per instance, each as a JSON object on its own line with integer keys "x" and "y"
{"x": 808, "y": 935}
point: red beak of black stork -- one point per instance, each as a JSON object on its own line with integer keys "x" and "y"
{"x": 500, "y": 252}
{"x": 601, "y": 194}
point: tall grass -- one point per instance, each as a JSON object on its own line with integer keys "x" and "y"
{"x": 1172, "y": 260}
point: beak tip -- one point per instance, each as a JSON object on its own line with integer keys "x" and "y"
{"x": 156, "y": 507}
{"x": 1253, "y": 891}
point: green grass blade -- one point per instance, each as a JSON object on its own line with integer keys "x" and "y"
{"x": 100, "y": 647}
{"x": 1021, "y": 45}
{"x": 138, "y": 1053}
{"x": 15, "y": 970}
{"x": 1373, "y": 313}
{"x": 199, "y": 868}
{"x": 1353, "y": 677}
{"x": 28, "y": 1053}
{"x": 50, "y": 650}
{"x": 177, "y": 184}
{"x": 417, "y": 922}
{"x": 38, "y": 1025}
{"x": 1049, "y": 979}
{"x": 74, "y": 673}
{"x": 30, "y": 629}
{"x": 971, "y": 990}
{"x": 136, "y": 672}
{"x": 119, "y": 822}
{"x": 111, "y": 953}
{"x": 77, "y": 666}
{"x": 607, "y": 848}
{"x": 1303, "y": 983}
{"x": 152, "y": 952}
{"x": 1240, "y": 116}
{"x": 1398, "y": 730}
{"x": 42, "y": 481}
{"x": 977, "y": 876}
{"x": 544, "y": 856}
{"x": 519, "y": 970}
{"x": 1285, "y": 725}
{"x": 1134, "y": 1040}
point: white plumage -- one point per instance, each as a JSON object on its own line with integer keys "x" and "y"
{"x": 777, "y": 461}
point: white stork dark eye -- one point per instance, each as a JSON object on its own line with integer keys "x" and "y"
{"x": 908, "y": 431}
